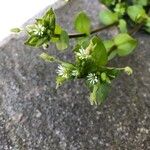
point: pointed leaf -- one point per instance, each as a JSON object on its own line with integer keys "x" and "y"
{"x": 16, "y": 30}
{"x": 102, "y": 92}
{"x": 107, "y": 17}
{"x": 82, "y": 23}
{"x": 49, "y": 19}
{"x": 125, "y": 44}
{"x": 136, "y": 13}
{"x": 99, "y": 53}
{"x": 122, "y": 26}
{"x": 36, "y": 41}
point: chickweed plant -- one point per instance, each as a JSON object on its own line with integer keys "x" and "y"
{"x": 92, "y": 53}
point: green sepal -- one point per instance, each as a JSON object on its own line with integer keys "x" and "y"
{"x": 59, "y": 81}
{"x": 46, "y": 57}
{"x": 141, "y": 2}
{"x": 36, "y": 41}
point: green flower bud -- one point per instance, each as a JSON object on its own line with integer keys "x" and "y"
{"x": 128, "y": 70}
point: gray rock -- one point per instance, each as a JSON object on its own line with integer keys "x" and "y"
{"x": 36, "y": 116}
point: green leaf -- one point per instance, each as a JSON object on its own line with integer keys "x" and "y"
{"x": 67, "y": 65}
{"x": 108, "y": 44}
{"x": 147, "y": 25}
{"x": 47, "y": 57}
{"x": 102, "y": 92}
{"x": 16, "y": 30}
{"x": 82, "y": 23}
{"x": 108, "y": 2}
{"x": 125, "y": 44}
{"x": 49, "y": 19}
{"x": 36, "y": 41}
{"x": 136, "y": 13}
{"x": 99, "y": 53}
{"x": 57, "y": 31}
{"x": 59, "y": 81}
{"x": 112, "y": 55}
{"x": 63, "y": 41}
{"x": 107, "y": 17}
{"x": 83, "y": 41}
{"x": 141, "y": 2}
{"x": 114, "y": 72}
{"x": 122, "y": 26}
{"x": 99, "y": 93}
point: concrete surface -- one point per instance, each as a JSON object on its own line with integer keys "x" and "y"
{"x": 36, "y": 116}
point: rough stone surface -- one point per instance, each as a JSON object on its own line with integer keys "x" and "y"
{"x": 36, "y": 116}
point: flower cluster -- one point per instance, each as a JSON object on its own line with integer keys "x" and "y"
{"x": 82, "y": 54}
{"x": 92, "y": 78}
{"x": 38, "y": 29}
{"x": 62, "y": 71}
{"x": 65, "y": 72}
{"x": 92, "y": 54}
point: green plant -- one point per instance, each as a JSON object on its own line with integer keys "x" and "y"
{"x": 92, "y": 53}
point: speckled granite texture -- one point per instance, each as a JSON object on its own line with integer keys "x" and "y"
{"x": 36, "y": 116}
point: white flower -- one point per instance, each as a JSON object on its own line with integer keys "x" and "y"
{"x": 82, "y": 53}
{"x": 75, "y": 73}
{"x": 92, "y": 78}
{"x": 62, "y": 71}
{"x": 38, "y": 29}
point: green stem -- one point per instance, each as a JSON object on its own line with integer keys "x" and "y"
{"x": 120, "y": 69}
{"x": 77, "y": 35}
{"x": 58, "y": 61}
{"x": 136, "y": 28}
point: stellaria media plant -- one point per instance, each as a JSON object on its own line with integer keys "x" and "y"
{"x": 92, "y": 53}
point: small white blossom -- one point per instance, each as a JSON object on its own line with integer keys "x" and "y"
{"x": 75, "y": 73}
{"x": 92, "y": 78}
{"x": 62, "y": 71}
{"x": 82, "y": 53}
{"x": 38, "y": 29}
{"x": 45, "y": 46}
